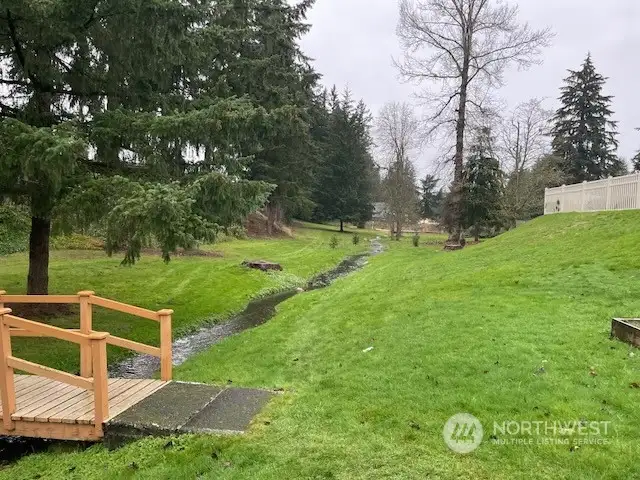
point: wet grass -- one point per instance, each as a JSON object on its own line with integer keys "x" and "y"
{"x": 199, "y": 289}
{"x": 516, "y": 328}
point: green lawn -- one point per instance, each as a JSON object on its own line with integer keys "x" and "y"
{"x": 198, "y": 289}
{"x": 516, "y": 328}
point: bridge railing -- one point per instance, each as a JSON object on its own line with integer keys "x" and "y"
{"x": 93, "y": 353}
{"x": 95, "y": 342}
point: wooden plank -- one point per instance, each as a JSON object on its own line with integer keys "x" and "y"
{"x": 100, "y": 379}
{"x": 82, "y": 406}
{"x": 46, "y": 389}
{"x": 58, "y": 431}
{"x": 40, "y": 299}
{"x": 47, "y": 330}
{"x": 131, "y": 400}
{"x": 124, "y": 308}
{"x": 51, "y": 373}
{"x": 21, "y": 332}
{"x": 86, "y": 326}
{"x": 86, "y": 415}
{"x": 7, "y": 385}
{"x": 135, "y": 346}
{"x": 63, "y": 403}
{"x": 56, "y": 396}
{"x": 32, "y": 384}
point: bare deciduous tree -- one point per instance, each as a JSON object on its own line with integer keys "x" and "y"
{"x": 398, "y": 136}
{"x": 524, "y": 136}
{"x": 460, "y": 46}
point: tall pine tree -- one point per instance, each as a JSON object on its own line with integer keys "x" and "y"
{"x": 345, "y": 183}
{"x": 584, "y": 134}
{"x": 145, "y": 116}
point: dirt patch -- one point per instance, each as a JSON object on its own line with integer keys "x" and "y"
{"x": 32, "y": 311}
{"x": 256, "y": 226}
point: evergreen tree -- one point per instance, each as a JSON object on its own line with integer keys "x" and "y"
{"x": 345, "y": 186}
{"x": 431, "y": 200}
{"x": 144, "y": 117}
{"x": 483, "y": 185}
{"x": 584, "y": 135}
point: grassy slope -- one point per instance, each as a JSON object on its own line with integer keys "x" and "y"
{"x": 197, "y": 288}
{"x": 453, "y": 332}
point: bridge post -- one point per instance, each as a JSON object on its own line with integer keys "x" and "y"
{"x": 98, "y": 345}
{"x": 2, "y": 292}
{"x": 86, "y": 326}
{"x": 7, "y": 387}
{"x": 166, "y": 357}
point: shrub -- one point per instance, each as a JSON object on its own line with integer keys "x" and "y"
{"x": 333, "y": 243}
{"x": 416, "y": 240}
{"x": 356, "y": 238}
{"x": 14, "y": 229}
{"x": 76, "y": 241}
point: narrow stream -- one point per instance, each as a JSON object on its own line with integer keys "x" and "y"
{"x": 257, "y": 313}
{"x": 144, "y": 366}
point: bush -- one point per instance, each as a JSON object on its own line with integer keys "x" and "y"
{"x": 416, "y": 240}
{"x": 14, "y": 229}
{"x": 76, "y": 241}
{"x": 333, "y": 243}
{"x": 356, "y": 239}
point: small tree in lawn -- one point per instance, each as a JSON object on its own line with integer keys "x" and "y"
{"x": 483, "y": 185}
{"x": 584, "y": 134}
{"x": 431, "y": 198}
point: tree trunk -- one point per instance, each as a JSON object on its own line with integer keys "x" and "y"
{"x": 477, "y": 233}
{"x": 38, "y": 279}
{"x": 341, "y": 226}
{"x": 458, "y": 161}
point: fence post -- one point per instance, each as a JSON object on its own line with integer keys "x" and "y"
{"x": 637, "y": 205}
{"x": 98, "y": 345}
{"x": 583, "y": 196}
{"x": 608, "y": 207}
{"x": 2, "y": 292}
{"x": 166, "y": 358}
{"x": 562, "y": 194}
{"x": 7, "y": 387}
{"x": 86, "y": 326}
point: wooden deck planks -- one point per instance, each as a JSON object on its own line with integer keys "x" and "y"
{"x": 44, "y": 401}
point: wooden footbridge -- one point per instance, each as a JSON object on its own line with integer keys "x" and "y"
{"x": 50, "y": 403}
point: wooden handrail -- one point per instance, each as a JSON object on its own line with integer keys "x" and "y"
{"x": 123, "y": 307}
{"x": 46, "y": 330}
{"x": 86, "y": 299}
{"x": 96, "y": 341}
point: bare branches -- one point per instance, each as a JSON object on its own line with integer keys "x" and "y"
{"x": 523, "y": 136}
{"x": 398, "y": 133}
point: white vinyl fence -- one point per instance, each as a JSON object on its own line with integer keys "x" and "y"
{"x": 619, "y": 193}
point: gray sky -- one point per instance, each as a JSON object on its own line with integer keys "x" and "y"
{"x": 353, "y": 42}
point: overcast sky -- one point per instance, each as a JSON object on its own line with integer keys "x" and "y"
{"x": 352, "y": 43}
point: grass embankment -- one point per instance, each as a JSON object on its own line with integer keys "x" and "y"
{"x": 199, "y": 289}
{"x": 516, "y": 328}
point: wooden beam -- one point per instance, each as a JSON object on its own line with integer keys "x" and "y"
{"x": 40, "y": 299}
{"x": 86, "y": 325}
{"x": 7, "y": 385}
{"x": 124, "y": 308}
{"x": 135, "y": 346}
{"x": 100, "y": 382}
{"x": 48, "y": 372}
{"x": 166, "y": 355}
{"x": 47, "y": 330}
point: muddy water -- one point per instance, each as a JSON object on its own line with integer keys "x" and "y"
{"x": 257, "y": 312}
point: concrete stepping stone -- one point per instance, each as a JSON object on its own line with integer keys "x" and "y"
{"x": 181, "y": 407}
{"x": 231, "y": 411}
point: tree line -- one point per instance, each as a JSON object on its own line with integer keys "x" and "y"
{"x": 458, "y": 50}
{"x": 170, "y": 121}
